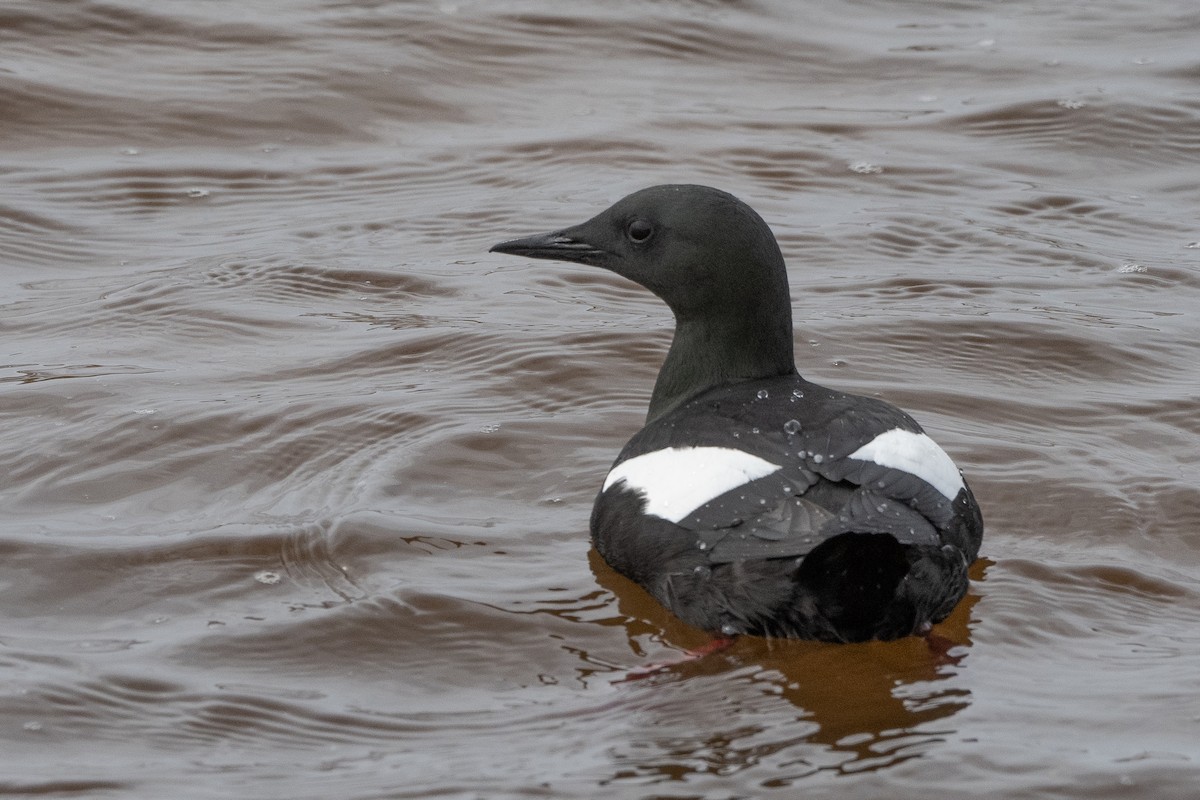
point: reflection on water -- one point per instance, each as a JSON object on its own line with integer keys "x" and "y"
{"x": 858, "y": 707}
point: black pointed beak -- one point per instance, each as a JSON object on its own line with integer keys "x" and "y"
{"x": 557, "y": 246}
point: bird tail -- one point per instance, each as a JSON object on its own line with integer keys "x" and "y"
{"x": 856, "y": 581}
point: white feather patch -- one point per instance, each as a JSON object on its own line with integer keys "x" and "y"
{"x": 676, "y": 481}
{"x": 916, "y": 454}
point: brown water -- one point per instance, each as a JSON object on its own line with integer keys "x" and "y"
{"x": 295, "y": 477}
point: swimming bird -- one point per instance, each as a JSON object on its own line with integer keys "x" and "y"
{"x": 753, "y": 501}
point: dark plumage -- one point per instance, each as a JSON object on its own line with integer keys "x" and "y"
{"x": 754, "y": 501}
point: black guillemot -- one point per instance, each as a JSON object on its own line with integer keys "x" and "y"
{"x": 755, "y": 502}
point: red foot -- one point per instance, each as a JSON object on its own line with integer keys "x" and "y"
{"x": 708, "y": 648}
{"x": 940, "y": 646}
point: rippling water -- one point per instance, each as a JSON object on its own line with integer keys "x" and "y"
{"x": 296, "y": 476}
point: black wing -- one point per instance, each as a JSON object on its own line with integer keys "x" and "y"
{"x": 817, "y": 492}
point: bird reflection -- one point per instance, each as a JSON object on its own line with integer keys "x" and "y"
{"x": 864, "y": 701}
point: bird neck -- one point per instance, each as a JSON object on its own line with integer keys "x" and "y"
{"x": 710, "y": 351}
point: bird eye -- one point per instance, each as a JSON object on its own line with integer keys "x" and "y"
{"x": 639, "y": 230}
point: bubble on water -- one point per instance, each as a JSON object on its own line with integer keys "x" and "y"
{"x": 763, "y": 394}
{"x": 1072, "y": 103}
{"x": 754, "y": 430}
{"x": 791, "y": 427}
{"x": 729, "y": 629}
{"x": 130, "y": 151}
{"x": 702, "y": 545}
{"x": 701, "y": 571}
{"x": 489, "y": 428}
{"x": 145, "y": 411}
{"x": 797, "y": 393}
{"x": 32, "y": 725}
{"x": 196, "y": 191}
{"x": 1131, "y": 268}
{"x": 865, "y": 168}
{"x": 267, "y": 576}
{"x": 818, "y": 458}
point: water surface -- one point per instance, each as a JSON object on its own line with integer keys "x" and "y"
{"x": 296, "y": 476}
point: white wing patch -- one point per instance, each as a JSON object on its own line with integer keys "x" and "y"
{"x": 916, "y": 454}
{"x": 677, "y": 480}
